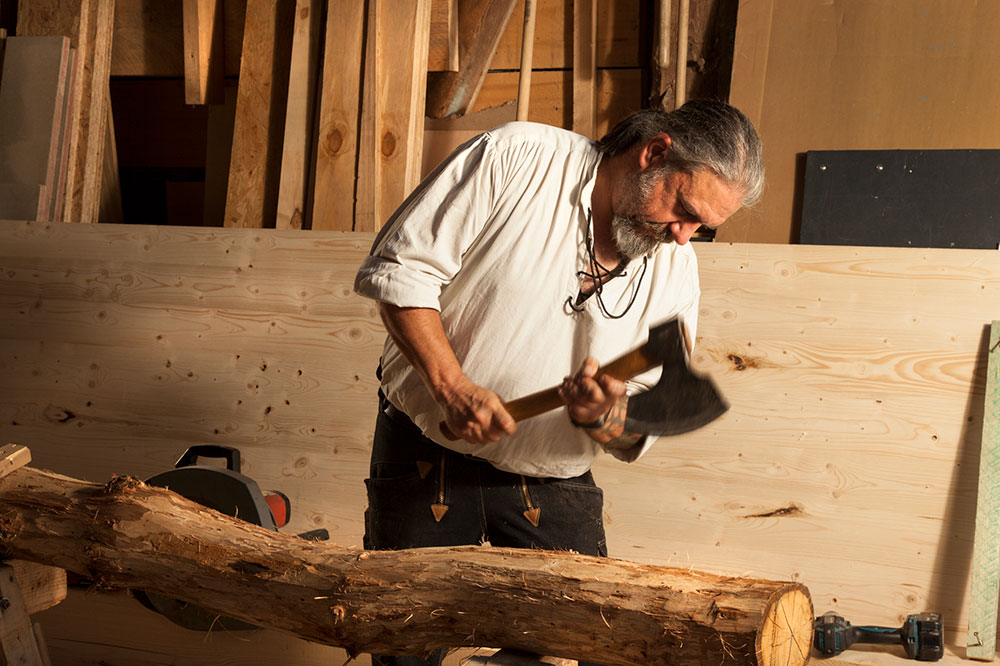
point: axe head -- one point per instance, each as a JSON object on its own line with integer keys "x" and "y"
{"x": 681, "y": 401}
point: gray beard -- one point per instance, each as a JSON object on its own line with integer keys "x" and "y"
{"x": 633, "y": 244}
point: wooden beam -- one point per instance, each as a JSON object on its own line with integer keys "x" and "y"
{"x": 298, "y": 144}
{"x": 585, "y": 67}
{"x": 482, "y": 22}
{"x": 255, "y": 167}
{"x": 203, "y": 52}
{"x": 339, "y": 118}
{"x": 408, "y": 601}
{"x": 443, "y": 50}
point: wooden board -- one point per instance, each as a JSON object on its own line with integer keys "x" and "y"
{"x": 41, "y": 586}
{"x": 392, "y": 127}
{"x": 35, "y": 71}
{"x": 203, "y": 51}
{"x": 17, "y": 641}
{"x": 298, "y": 143}
{"x": 339, "y": 118}
{"x": 149, "y": 38}
{"x": 23, "y": 202}
{"x": 985, "y": 582}
{"x": 255, "y": 168}
{"x": 848, "y": 460}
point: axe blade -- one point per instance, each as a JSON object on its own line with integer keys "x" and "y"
{"x": 681, "y": 401}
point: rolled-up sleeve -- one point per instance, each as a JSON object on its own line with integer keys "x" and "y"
{"x": 420, "y": 248}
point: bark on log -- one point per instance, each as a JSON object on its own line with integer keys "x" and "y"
{"x": 128, "y": 534}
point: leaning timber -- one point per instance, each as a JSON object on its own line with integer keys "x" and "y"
{"x": 127, "y": 534}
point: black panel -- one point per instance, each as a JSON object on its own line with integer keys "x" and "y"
{"x": 916, "y": 198}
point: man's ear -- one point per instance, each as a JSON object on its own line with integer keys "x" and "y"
{"x": 655, "y": 152}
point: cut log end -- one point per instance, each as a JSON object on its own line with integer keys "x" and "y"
{"x": 786, "y": 634}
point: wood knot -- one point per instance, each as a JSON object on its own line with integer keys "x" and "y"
{"x": 334, "y": 141}
{"x": 120, "y": 484}
{"x": 388, "y": 144}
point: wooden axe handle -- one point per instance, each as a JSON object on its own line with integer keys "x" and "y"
{"x": 624, "y": 367}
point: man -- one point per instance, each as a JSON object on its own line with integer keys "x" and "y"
{"x": 529, "y": 252}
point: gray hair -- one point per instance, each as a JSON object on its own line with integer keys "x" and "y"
{"x": 704, "y": 134}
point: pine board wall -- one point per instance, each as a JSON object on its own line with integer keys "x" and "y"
{"x": 848, "y": 461}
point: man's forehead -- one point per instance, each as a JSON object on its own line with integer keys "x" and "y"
{"x": 712, "y": 197}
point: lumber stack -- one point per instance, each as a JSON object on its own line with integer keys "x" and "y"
{"x": 55, "y": 91}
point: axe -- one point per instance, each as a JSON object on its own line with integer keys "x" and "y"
{"x": 680, "y": 402}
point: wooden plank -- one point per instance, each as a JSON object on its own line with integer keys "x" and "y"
{"x": 42, "y": 587}
{"x": 985, "y": 584}
{"x": 111, "y": 188}
{"x": 297, "y": 149}
{"x": 87, "y": 187}
{"x": 31, "y": 105}
{"x": 57, "y": 195}
{"x": 23, "y": 202}
{"x": 584, "y": 67}
{"x": 482, "y": 23}
{"x": 389, "y": 158}
{"x": 442, "y": 53}
{"x": 218, "y": 148}
{"x": 619, "y": 25}
{"x": 203, "y": 51}
{"x": 366, "y": 188}
{"x": 13, "y": 456}
{"x": 339, "y": 121}
{"x": 89, "y": 25}
{"x": 254, "y": 170}
{"x": 149, "y": 38}
{"x": 17, "y": 641}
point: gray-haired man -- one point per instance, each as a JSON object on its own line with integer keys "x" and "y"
{"x": 529, "y": 252}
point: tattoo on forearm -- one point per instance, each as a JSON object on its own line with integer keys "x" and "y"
{"x": 612, "y": 434}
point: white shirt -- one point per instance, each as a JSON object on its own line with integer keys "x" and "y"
{"x": 494, "y": 239}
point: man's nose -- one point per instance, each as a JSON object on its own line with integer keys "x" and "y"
{"x": 683, "y": 231}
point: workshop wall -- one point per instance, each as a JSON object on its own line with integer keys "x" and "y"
{"x": 848, "y": 461}
{"x": 858, "y": 75}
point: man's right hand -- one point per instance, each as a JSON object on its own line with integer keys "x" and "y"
{"x": 476, "y": 414}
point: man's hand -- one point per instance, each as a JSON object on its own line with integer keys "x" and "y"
{"x": 588, "y": 398}
{"x": 476, "y": 414}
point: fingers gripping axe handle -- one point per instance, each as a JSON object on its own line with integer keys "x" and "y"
{"x": 668, "y": 345}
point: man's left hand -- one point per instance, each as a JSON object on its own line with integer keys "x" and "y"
{"x": 588, "y": 398}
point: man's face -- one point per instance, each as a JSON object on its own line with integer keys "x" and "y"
{"x": 665, "y": 206}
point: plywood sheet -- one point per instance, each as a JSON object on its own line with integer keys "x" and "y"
{"x": 858, "y": 75}
{"x": 848, "y": 460}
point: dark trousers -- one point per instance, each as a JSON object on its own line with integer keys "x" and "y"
{"x": 421, "y": 494}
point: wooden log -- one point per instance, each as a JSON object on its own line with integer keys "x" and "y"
{"x": 127, "y": 534}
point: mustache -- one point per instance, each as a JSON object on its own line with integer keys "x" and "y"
{"x": 659, "y": 231}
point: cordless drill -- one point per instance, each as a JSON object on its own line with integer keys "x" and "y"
{"x": 920, "y": 635}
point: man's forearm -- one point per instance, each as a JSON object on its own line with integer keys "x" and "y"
{"x": 610, "y": 433}
{"x": 420, "y": 336}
